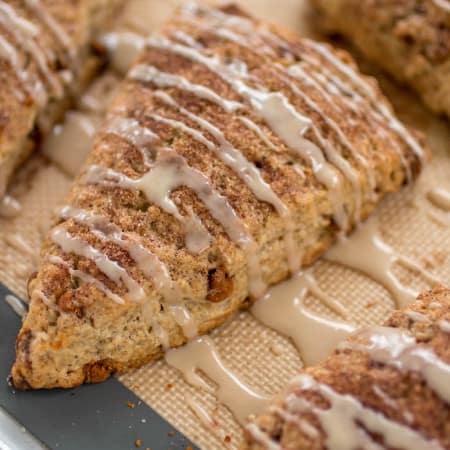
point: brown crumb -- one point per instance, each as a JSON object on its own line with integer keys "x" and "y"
{"x": 169, "y": 386}
{"x": 189, "y": 447}
{"x": 148, "y": 448}
{"x": 171, "y": 433}
{"x": 227, "y": 439}
{"x": 137, "y": 442}
{"x": 131, "y": 404}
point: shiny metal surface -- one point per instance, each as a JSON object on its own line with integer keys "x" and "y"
{"x": 14, "y": 436}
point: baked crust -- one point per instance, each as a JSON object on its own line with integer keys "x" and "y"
{"x": 410, "y": 39}
{"x": 406, "y": 397}
{"x": 24, "y": 119}
{"x": 87, "y": 335}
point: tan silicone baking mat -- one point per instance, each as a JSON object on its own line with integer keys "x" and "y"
{"x": 409, "y": 223}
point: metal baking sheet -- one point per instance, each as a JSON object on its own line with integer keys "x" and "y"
{"x": 96, "y": 416}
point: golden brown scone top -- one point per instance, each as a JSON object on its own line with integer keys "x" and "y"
{"x": 45, "y": 48}
{"x": 410, "y": 39}
{"x": 387, "y": 386}
{"x": 218, "y": 115}
{"x": 19, "y": 69}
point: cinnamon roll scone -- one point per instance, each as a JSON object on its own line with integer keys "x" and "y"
{"x": 233, "y": 154}
{"x": 45, "y": 59}
{"x": 385, "y": 387}
{"x": 410, "y": 39}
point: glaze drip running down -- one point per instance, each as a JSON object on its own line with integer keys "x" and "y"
{"x": 283, "y": 309}
{"x": 365, "y": 251}
{"x": 201, "y": 354}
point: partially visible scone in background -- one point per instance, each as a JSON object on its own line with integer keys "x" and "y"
{"x": 45, "y": 59}
{"x": 410, "y": 39}
{"x": 385, "y": 387}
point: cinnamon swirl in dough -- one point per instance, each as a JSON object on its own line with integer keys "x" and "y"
{"x": 410, "y": 39}
{"x": 385, "y": 387}
{"x": 234, "y": 153}
{"x": 45, "y": 59}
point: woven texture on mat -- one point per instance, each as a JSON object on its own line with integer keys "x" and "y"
{"x": 245, "y": 346}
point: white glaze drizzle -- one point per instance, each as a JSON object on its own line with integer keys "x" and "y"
{"x": 9, "y": 53}
{"x": 220, "y": 17}
{"x": 23, "y": 25}
{"x": 389, "y": 401}
{"x": 246, "y": 170}
{"x": 151, "y": 74}
{"x": 16, "y": 305}
{"x": 348, "y": 71}
{"x": 249, "y": 41}
{"x": 198, "y": 238}
{"x": 339, "y": 421}
{"x": 282, "y": 309}
{"x": 184, "y": 38}
{"x": 132, "y": 131}
{"x": 74, "y": 244}
{"x": 329, "y": 84}
{"x": 39, "y": 295}
{"x": 58, "y": 31}
{"x": 417, "y": 317}
{"x": 332, "y": 124}
{"x": 279, "y": 114}
{"x": 24, "y": 32}
{"x": 171, "y": 171}
{"x": 85, "y": 278}
{"x": 146, "y": 261}
{"x": 435, "y": 305}
{"x": 369, "y": 91}
{"x": 226, "y": 152}
{"x": 396, "y": 348}
{"x": 201, "y": 354}
{"x": 338, "y": 161}
{"x": 308, "y": 429}
{"x": 332, "y": 155}
{"x": 366, "y": 252}
{"x": 259, "y": 132}
{"x": 296, "y": 71}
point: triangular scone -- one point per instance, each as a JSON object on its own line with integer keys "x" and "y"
{"x": 45, "y": 59}
{"x": 234, "y": 152}
{"x": 385, "y": 387}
